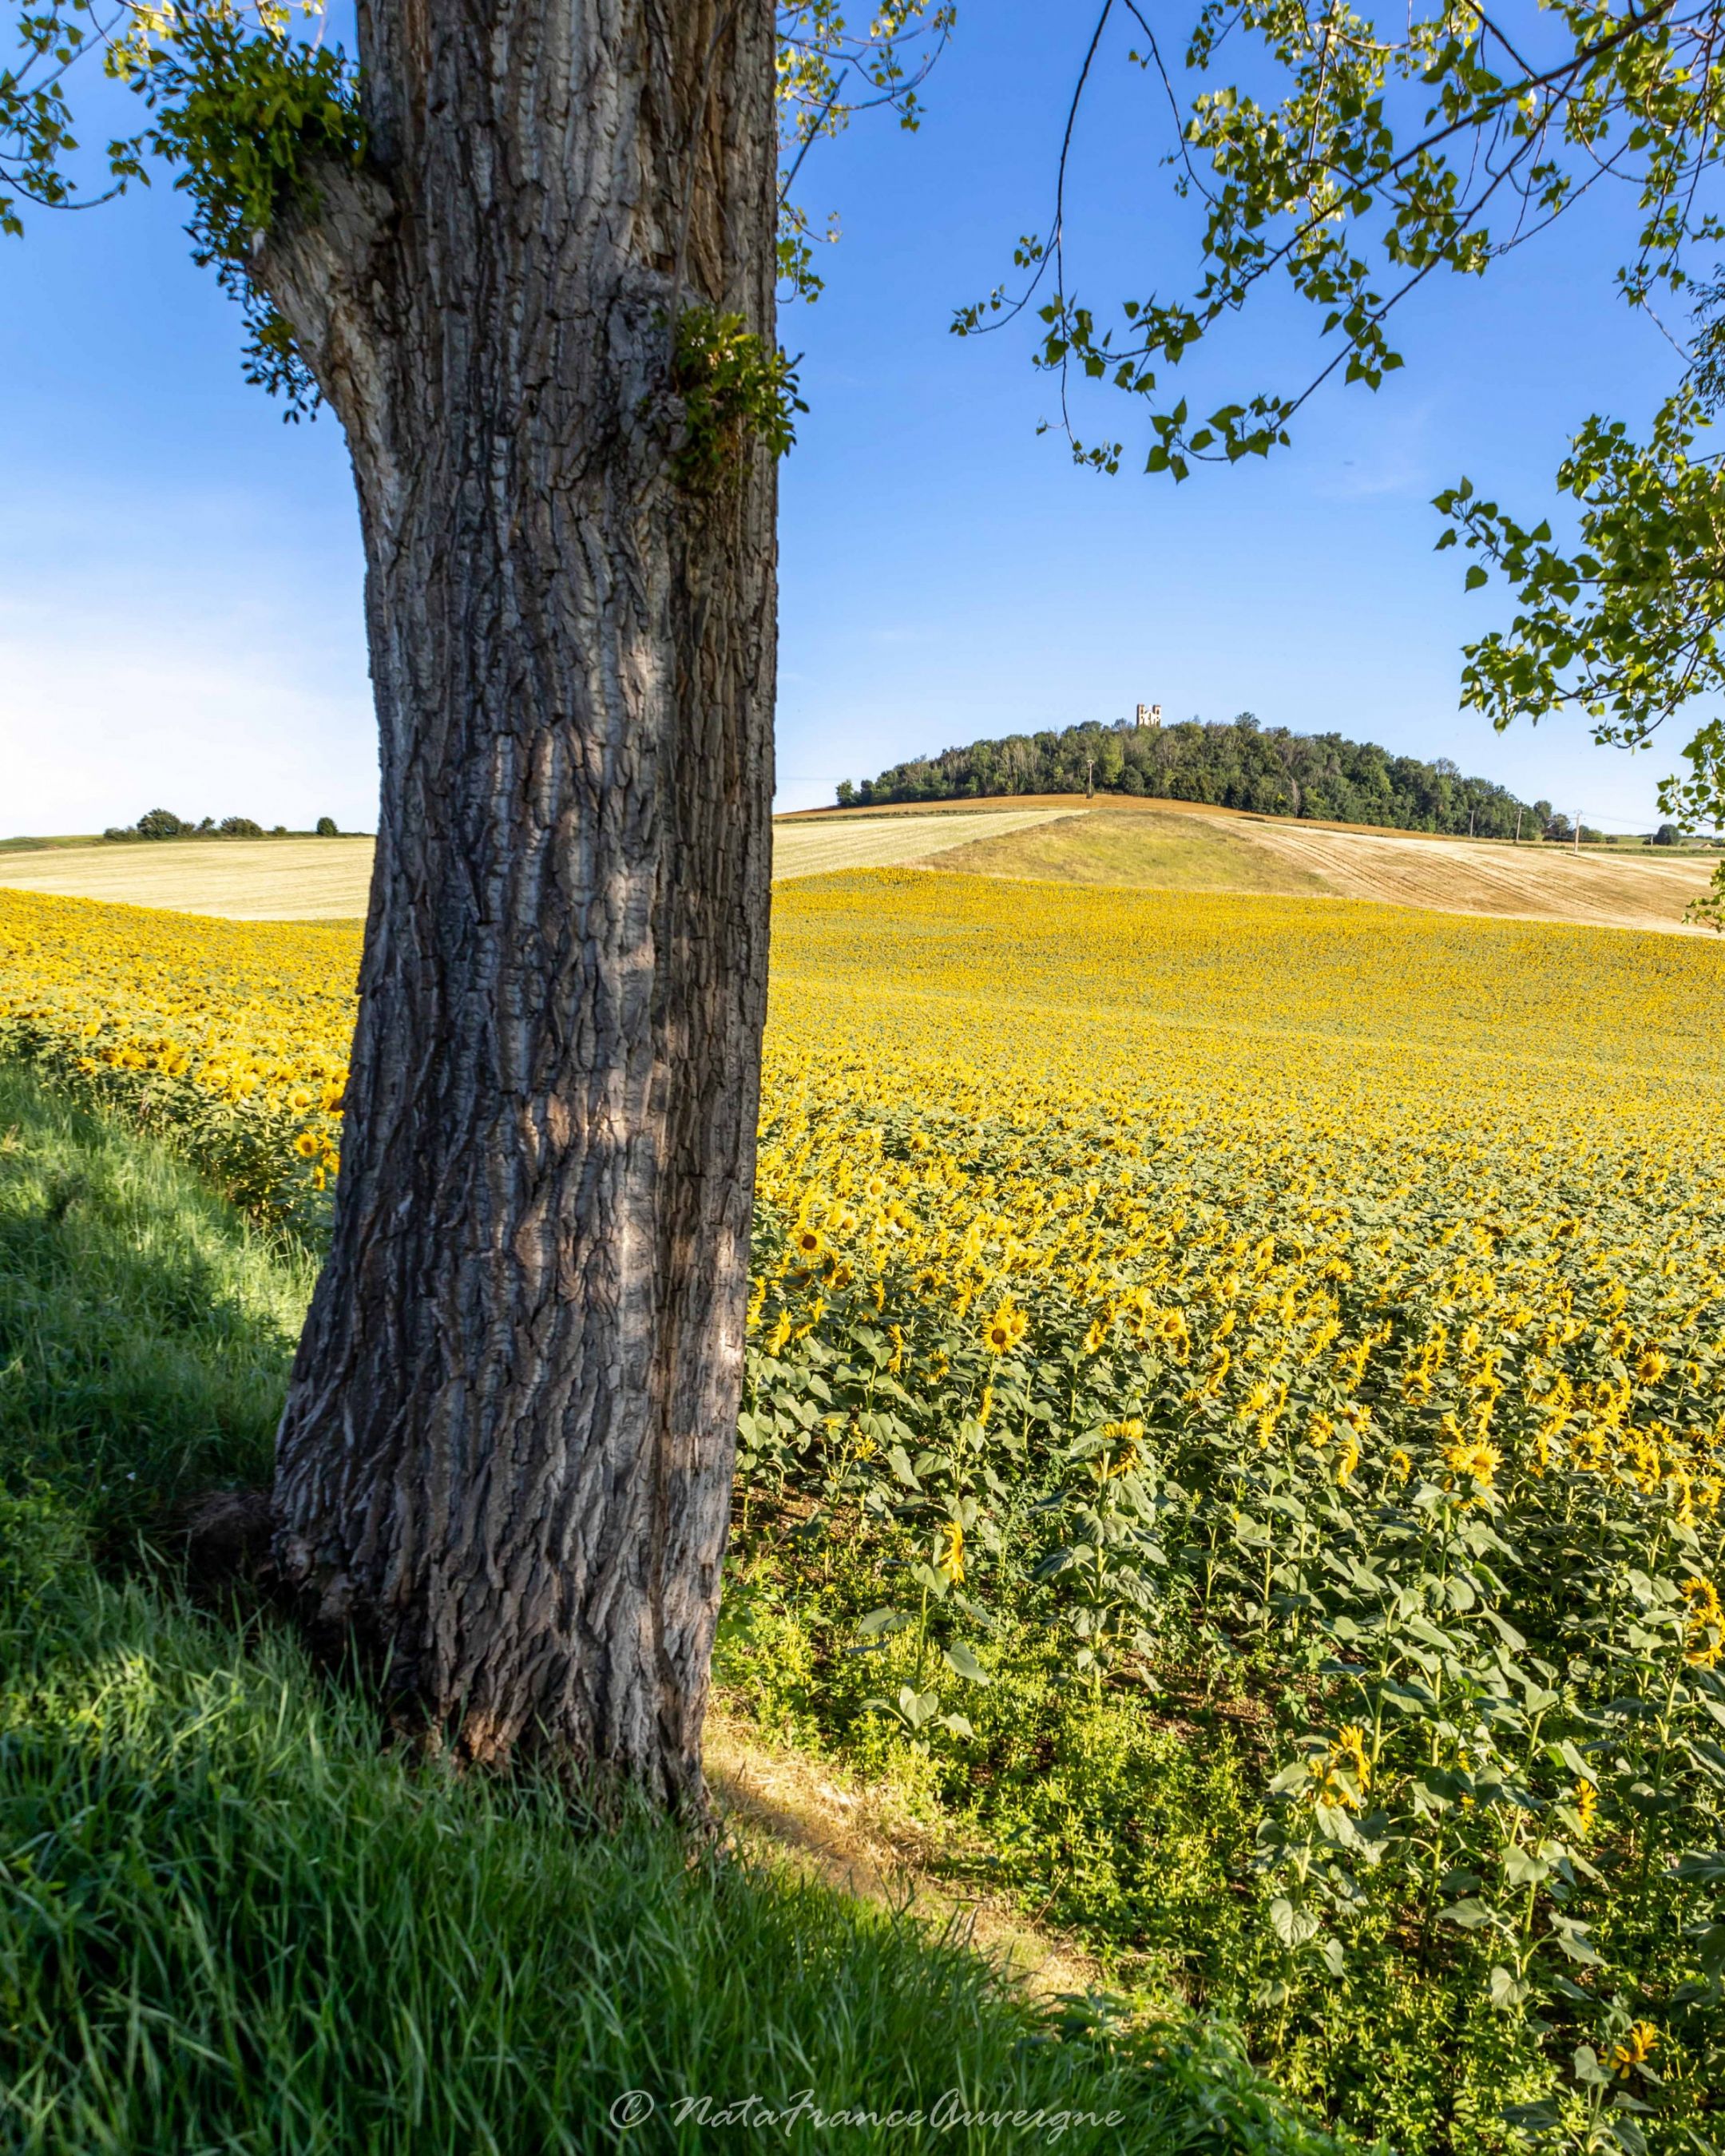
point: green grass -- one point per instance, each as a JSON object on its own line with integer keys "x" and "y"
{"x": 145, "y": 1329}
{"x": 1162, "y": 849}
{"x": 231, "y": 1920}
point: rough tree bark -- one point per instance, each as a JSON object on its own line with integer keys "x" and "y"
{"x": 506, "y": 1456}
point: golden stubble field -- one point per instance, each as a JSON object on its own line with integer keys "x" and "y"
{"x": 232, "y": 879}
{"x": 1180, "y": 846}
{"x": 1113, "y": 843}
{"x": 329, "y": 879}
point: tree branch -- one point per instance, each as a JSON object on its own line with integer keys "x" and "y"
{"x": 324, "y": 265}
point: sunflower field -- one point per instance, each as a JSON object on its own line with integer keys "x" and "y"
{"x": 230, "y": 1036}
{"x": 1235, "y": 1429}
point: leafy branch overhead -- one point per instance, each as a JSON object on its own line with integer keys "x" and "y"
{"x": 240, "y": 106}
{"x": 1625, "y": 627}
{"x": 1365, "y": 156}
{"x": 36, "y": 136}
{"x": 828, "y": 72}
{"x": 1385, "y": 152}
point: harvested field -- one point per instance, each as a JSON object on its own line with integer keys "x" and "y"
{"x": 1128, "y": 844}
{"x": 805, "y": 849}
{"x": 236, "y": 879}
{"x": 328, "y": 879}
{"x": 1184, "y": 846}
{"x": 1460, "y": 875}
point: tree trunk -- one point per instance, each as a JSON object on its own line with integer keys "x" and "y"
{"x": 506, "y": 1456}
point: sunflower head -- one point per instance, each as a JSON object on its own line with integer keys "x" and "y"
{"x": 1703, "y": 1623}
{"x": 1341, "y": 1779}
{"x": 1002, "y": 1332}
{"x": 1635, "y": 2049}
{"x": 1473, "y": 1456}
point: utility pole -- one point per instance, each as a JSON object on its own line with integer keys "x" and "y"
{"x": 1090, "y": 783}
{"x": 1578, "y": 831}
{"x": 1519, "y": 822}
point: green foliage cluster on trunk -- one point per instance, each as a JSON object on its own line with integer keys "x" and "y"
{"x": 735, "y": 389}
{"x": 245, "y": 115}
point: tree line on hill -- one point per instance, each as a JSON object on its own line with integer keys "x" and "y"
{"x": 163, "y": 824}
{"x": 1236, "y": 764}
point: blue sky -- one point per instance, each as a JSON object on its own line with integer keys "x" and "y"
{"x": 180, "y": 572}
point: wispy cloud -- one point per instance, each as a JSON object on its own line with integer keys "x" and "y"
{"x": 172, "y": 654}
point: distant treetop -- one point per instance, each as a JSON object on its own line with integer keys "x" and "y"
{"x": 1237, "y": 764}
{"x": 163, "y": 824}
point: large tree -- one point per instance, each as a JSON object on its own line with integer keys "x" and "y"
{"x": 527, "y": 254}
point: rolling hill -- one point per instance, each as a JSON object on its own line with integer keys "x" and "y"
{"x": 1180, "y": 846}
{"x": 1115, "y": 841}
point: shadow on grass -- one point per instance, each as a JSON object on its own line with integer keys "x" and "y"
{"x": 229, "y": 1920}
{"x": 145, "y": 1329}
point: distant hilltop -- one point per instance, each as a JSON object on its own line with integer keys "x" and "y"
{"x": 1232, "y": 764}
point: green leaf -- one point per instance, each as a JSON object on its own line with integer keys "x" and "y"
{"x": 1533, "y": 2118}
{"x": 1470, "y": 1914}
{"x": 917, "y": 1707}
{"x": 1523, "y": 1868}
{"x": 1292, "y": 1926}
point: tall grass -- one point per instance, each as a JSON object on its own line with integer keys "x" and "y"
{"x": 231, "y": 1920}
{"x": 145, "y": 1329}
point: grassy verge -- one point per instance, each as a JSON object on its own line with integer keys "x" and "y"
{"x": 229, "y": 1920}
{"x": 145, "y": 1329}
